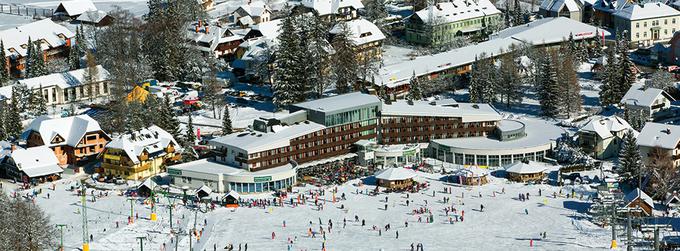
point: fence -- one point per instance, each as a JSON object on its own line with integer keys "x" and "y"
{"x": 22, "y": 10}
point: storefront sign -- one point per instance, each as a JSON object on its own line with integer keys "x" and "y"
{"x": 175, "y": 172}
{"x": 263, "y": 179}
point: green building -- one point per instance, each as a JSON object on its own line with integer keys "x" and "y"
{"x": 439, "y": 24}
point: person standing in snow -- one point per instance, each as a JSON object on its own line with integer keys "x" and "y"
{"x": 397, "y": 234}
{"x": 526, "y": 211}
{"x": 481, "y": 208}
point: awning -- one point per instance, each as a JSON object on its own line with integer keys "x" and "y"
{"x": 328, "y": 160}
{"x": 42, "y": 171}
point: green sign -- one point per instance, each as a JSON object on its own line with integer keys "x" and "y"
{"x": 409, "y": 153}
{"x": 175, "y": 172}
{"x": 263, "y": 179}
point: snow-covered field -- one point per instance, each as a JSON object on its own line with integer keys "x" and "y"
{"x": 503, "y": 225}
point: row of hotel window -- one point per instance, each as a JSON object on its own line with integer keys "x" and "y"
{"x": 488, "y": 160}
{"x": 300, "y": 156}
{"x": 70, "y": 93}
{"x": 309, "y": 144}
{"x": 261, "y": 187}
{"x": 654, "y": 23}
{"x": 644, "y": 34}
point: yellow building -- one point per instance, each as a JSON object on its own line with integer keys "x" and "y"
{"x": 139, "y": 154}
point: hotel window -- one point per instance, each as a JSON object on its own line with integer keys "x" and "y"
{"x": 665, "y": 21}
{"x": 637, "y": 34}
{"x": 645, "y": 24}
{"x": 637, "y": 25}
{"x": 673, "y": 20}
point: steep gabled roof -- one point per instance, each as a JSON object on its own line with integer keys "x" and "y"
{"x": 456, "y": 10}
{"x": 638, "y": 95}
{"x": 604, "y": 126}
{"x": 153, "y": 140}
{"x": 71, "y": 129}
{"x": 255, "y": 8}
{"x": 326, "y": 7}
{"x": 659, "y": 135}
{"x": 646, "y": 11}
{"x": 361, "y": 31}
{"x": 638, "y": 194}
{"x": 36, "y": 161}
{"x": 44, "y": 29}
{"x": 75, "y": 7}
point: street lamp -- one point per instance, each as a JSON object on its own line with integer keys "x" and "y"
{"x": 141, "y": 242}
{"x": 61, "y": 236}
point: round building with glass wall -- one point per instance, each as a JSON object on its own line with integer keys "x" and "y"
{"x": 512, "y": 141}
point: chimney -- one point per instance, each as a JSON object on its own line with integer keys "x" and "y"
{"x": 207, "y": 29}
{"x": 13, "y": 148}
{"x": 200, "y": 22}
{"x": 196, "y": 28}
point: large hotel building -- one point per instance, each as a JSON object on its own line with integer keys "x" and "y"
{"x": 267, "y": 156}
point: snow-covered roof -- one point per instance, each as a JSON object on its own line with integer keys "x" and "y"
{"x": 325, "y": 7}
{"x": 247, "y": 20}
{"x": 214, "y": 36}
{"x": 361, "y": 31}
{"x": 153, "y": 140}
{"x": 92, "y": 16}
{"x": 340, "y": 102}
{"x": 524, "y": 168}
{"x": 233, "y": 194}
{"x": 638, "y": 194}
{"x": 148, "y": 183}
{"x": 395, "y": 173}
{"x": 468, "y": 112}
{"x": 75, "y": 7}
{"x": 70, "y": 129}
{"x": 64, "y": 80}
{"x": 36, "y": 161}
{"x": 638, "y": 95}
{"x": 539, "y": 32}
{"x": 646, "y": 11}
{"x": 269, "y": 29}
{"x": 557, "y": 5}
{"x": 611, "y": 6}
{"x": 456, "y": 10}
{"x": 5, "y": 149}
{"x": 540, "y": 133}
{"x": 204, "y": 189}
{"x": 256, "y": 141}
{"x": 604, "y": 126}
{"x": 471, "y": 171}
{"x": 659, "y": 135}
{"x": 54, "y": 35}
{"x": 255, "y": 8}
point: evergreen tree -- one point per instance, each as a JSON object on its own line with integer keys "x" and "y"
{"x": 627, "y": 75}
{"x": 609, "y": 92}
{"x": 3, "y": 132}
{"x": 345, "y": 61}
{"x": 4, "y": 65}
{"x": 13, "y": 125}
{"x": 40, "y": 104}
{"x": 287, "y": 86}
{"x": 316, "y": 57}
{"x": 28, "y": 59}
{"x": 482, "y": 84}
{"x": 190, "y": 136}
{"x": 599, "y": 45}
{"x": 509, "y": 83}
{"x": 630, "y": 160}
{"x": 517, "y": 18}
{"x": 167, "y": 119}
{"x": 506, "y": 15}
{"x": 569, "y": 90}
{"x": 38, "y": 65}
{"x": 415, "y": 92}
{"x": 226, "y": 122}
{"x": 376, "y": 12}
{"x": 135, "y": 117}
{"x": 545, "y": 77}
